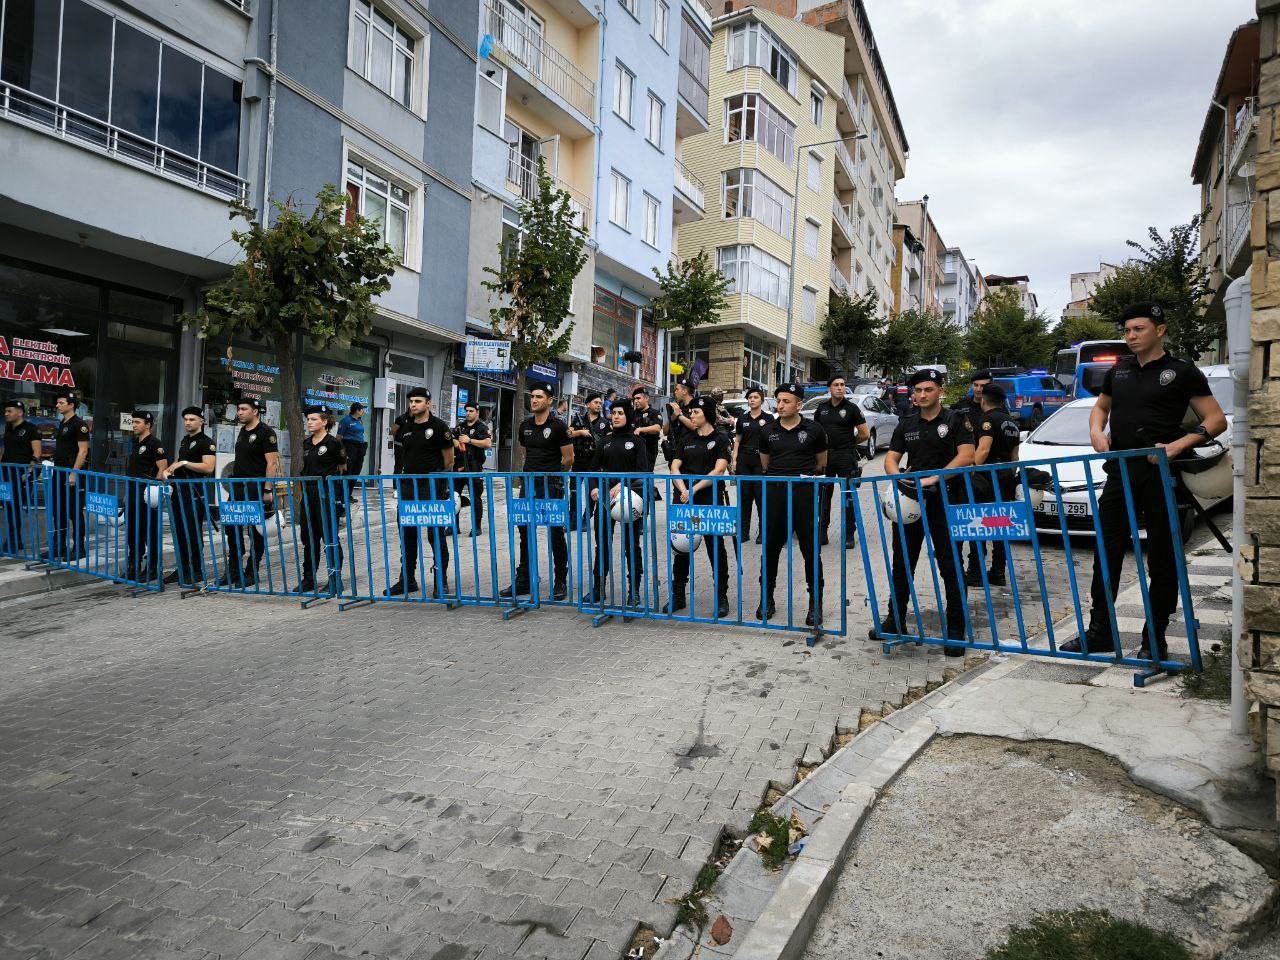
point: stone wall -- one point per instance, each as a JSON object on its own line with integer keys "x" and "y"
{"x": 1259, "y": 644}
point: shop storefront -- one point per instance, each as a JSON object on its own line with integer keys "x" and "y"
{"x": 495, "y": 393}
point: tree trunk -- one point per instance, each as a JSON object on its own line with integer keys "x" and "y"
{"x": 517, "y": 414}
{"x": 291, "y": 400}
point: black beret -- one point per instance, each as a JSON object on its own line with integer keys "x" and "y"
{"x": 792, "y": 388}
{"x": 687, "y": 384}
{"x": 256, "y": 402}
{"x": 319, "y": 408}
{"x": 1144, "y": 309}
{"x": 639, "y": 389}
{"x": 594, "y": 395}
{"x": 706, "y": 405}
{"x": 422, "y": 392}
{"x": 983, "y": 374}
{"x": 68, "y": 395}
{"x": 923, "y": 374}
{"x": 193, "y": 412}
{"x": 15, "y": 404}
{"x": 143, "y": 415}
{"x": 994, "y": 392}
{"x": 546, "y": 388}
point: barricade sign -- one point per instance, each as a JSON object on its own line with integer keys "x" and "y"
{"x": 990, "y": 521}
{"x": 241, "y": 513}
{"x": 101, "y": 505}
{"x": 23, "y": 532}
{"x": 708, "y": 521}
{"x": 426, "y": 513}
{"x": 539, "y": 513}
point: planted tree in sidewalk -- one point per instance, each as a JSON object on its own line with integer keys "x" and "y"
{"x": 306, "y": 275}
{"x": 533, "y": 282}
{"x": 693, "y": 295}
{"x": 849, "y": 328}
{"x": 1076, "y": 329}
{"x": 1004, "y": 333}
{"x": 912, "y": 338}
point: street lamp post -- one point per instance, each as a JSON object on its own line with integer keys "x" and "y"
{"x": 795, "y": 215}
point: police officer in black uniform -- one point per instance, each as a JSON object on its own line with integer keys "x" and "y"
{"x": 587, "y": 431}
{"x": 677, "y": 411}
{"x": 71, "y": 451}
{"x": 792, "y": 447}
{"x": 427, "y": 447}
{"x": 548, "y": 450}
{"x": 397, "y": 448}
{"x": 21, "y": 451}
{"x": 997, "y": 436}
{"x": 704, "y": 452}
{"x": 846, "y": 427}
{"x": 618, "y": 452}
{"x": 745, "y": 462}
{"x": 323, "y": 456}
{"x": 147, "y": 461}
{"x": 197, "y": 460}
{"x": 257, "y": 458}
{"x": 932, "y": 438}
{"x": 471, "y": 440}
{"x": 646, "y": 422}
{"x": 970, "y": 405}
{"x": 1144, "y": 398}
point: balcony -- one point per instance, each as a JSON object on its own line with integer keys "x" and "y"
{"x": 840, "y": 282}
{"x": 845, "y": 221}
{"x": 848, "y": 167}
{"x": 1239, "y": 218}
{"x": 692, "y": 106}
{"x": 949, "y": 307}
{"x": 847, "y": 113}
{"x": 539, "y": 67}
{"x": 690, "y": 200}
{"x": 522, "y": 177}
{"x": 1246, "y": 125}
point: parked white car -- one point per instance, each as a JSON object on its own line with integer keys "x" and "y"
{"x": 881, "y": 421}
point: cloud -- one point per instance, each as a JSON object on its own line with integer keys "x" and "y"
{"x": 1046, "y": 135}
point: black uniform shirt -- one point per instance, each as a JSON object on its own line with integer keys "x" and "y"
{"x": 968, "y": 407}
{"x": 323, "y": 459}
{"x": 841, "y": 422}
{"x": 1148, "y": 403}
{"x": 678, "y": 429}
{"x": 698, "y": 454}
{"x": 650, "y": 418}
{"x": 194, "y": 448}
{"x": 542, "y": 444}
{"x": 252, "y": 447}
{"x": 930, "y": 444}
{"x": 475, "y": 455}
{"x": 751, "y": 430}
{"x": 17, "y": 442}
{"x": 621, "y": 451}
{"x": 66, "y": 442}
{"x": 793, "y": 451}
{"x": 144, "y": 458}
{"x": 424, "y": 445}
{"x": 1003, "y": 431}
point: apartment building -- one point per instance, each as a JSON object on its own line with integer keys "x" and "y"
{"x": 1083, "y": 285}
{"x": 907, "y": 273}
{"x": 1224, "y": 167}
{"x": 933, "y": 252}
{"x": 1022, "y": 284}
{"x": 963, "y": 288}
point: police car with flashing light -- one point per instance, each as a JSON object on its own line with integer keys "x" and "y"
{"x": 1032, "y": 396}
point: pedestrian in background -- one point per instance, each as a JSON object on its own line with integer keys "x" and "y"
{"x": 21, "y": 452}
{"x": 351, "y": 433}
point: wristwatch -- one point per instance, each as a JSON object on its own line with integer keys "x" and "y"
{"x": 1200, "y": 431}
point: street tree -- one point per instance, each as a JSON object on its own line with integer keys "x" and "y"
{"x": 849, "y": 328}
{"x": 1077, "y": 329}
{"x": 1003, "y": 333}
{"x": 1170, "y": 273}
{"x": 533, "y": 281}
{"x": 306, "y": 275}
{"x": 693, "y": 295}
{"x": 912, "y": 338}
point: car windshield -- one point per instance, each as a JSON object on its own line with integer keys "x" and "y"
{"x": 1069, "y": 427}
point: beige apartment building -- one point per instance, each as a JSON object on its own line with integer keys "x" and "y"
{"x": 931, "y": 255}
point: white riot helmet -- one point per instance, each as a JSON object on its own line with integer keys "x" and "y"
{"x": 1037, "y": 496}
{"x": 155, "y": 495}
{"x": 685, "y": 542}
{"x": 1207, "y": 474}
{"x": 902, "y": 507}
{"x": 627, "y": 499}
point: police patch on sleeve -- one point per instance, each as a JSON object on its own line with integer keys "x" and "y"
{"x": 986, "y": 424}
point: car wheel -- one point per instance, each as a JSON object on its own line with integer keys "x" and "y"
{"x": 1037, "y": 417}
{"x": 1186, "y": 523}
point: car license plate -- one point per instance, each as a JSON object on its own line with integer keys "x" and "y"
{"x": 1070, "y": 509}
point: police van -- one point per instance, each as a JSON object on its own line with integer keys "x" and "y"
{"x": 1032, "y": 396}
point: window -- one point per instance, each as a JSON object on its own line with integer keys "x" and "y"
{"x": 749, "y": 193}
{"x": 751, "y": 270}
{"x": 381, "y": 200}
{"x": 811, "y": 235}
{"x": 630, "y": 6}
{"x": 491, "y": 95}
{"x": 750, "y": 116}
{"x": 381, "y": 52}
{"x": 623, "y": 84}
{"x": 653, "y": 121}
{"x": 613, "y": 329}
{"x": 620, "y": 206}
{"x": 678, "y": 349}
{"x": 658, "y": 28}
{"x": 815, "y": 170}
{"x": 754, "y": 45}
{"x": 757, "y": 357}
{"x": 652, "y": 215}
{"x": 817, "y": 97}
{"x": 810, "y": 306}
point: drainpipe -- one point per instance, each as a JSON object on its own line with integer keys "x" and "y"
{"x": 268, "y": 66}
{"x": 1226, "y": 175}
{"x": 599, "y": 120}
{"x": 1238, "y": 303}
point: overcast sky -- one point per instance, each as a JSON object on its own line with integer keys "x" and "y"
{"x": 1047, "y": 134}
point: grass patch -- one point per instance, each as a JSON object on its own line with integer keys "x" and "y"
{"x": 1214, "y": 680}
{"x": 1087, "y": 935}
{"x": 777, "y": 832}
{"x": 690, "y": 909}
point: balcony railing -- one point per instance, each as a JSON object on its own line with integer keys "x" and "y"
{"x": 1245, "y": 125}
{"x": 846, "y": 159}
{"x": 32, "y": 110}
{"x": 511, "y": 30}
{"x": 522, "y": 174}
{"x": 690, "y": 185}
{"x": 1239, "y": 218}
{"x": 843, "y": 215}
{"x": 840, "y": 281}
{"x": 849, "y": 101}
{"x": 694, "y": 90}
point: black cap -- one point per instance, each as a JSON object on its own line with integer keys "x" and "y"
{"x": 257, "y": 403}
{"x": 983, "y": 374}
{"x": 994, "y": 392}
{"x": 319, "y": 408}
{"x": 594, "y": 395}
{"x": 15, "y": 404}
{"x": 422, "y": 392}
{"x": 356, "y": 406}
{"x": 639, "y": 389}
{"x": 687, "y": 384}
{"x": 542, "y": 385}
{"x": 1145, "y": 308}
{"x": 193, "y": 412}
{"x": 792, "y": 388}
{"x": 143, "y": 415}
{"x": 68, "y": 395}
{"x": 925, "y": 374}
{"x": 707, "y": 405}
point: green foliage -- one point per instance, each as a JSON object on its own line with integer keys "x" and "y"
{"x": 1076, "y": 329}
{"x": 691, "y": 908}
{"x": 849, "y": 328}
{"x": 1170, "y": 273}
{"x": 692, "y": 296}
{"x": 1214, "y": 680}
{"x": 1087, "y": 935}
{"x": 911, "y": 339}
{"x": 1004, "y": 334}
{"x": 312, "y": 275}
{"x": 778, "y": 830}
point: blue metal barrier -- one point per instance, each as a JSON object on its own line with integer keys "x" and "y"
{"x": 996, "y": 505}
{"x": 23, "y": 533}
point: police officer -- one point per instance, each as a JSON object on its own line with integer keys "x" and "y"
{"x": 997, "y": 436}
{"x": 197, "y": 460}
{"x": 745, "y": 462}
{"x": 147, "y": 461}
{"x": 351, "y": 434}
{"x": 677, "y": 410}
{"x": 587, "y": 431}
{"x": 548, "y": 450}
{"x": 323, "y": 456}
{"x": 792, "y": 447}
{"x": 970, "y": 405}
{"x": 846, "y": 427}
{"x": 257, "y": 458}
{"x": 397, "y": 448}
{"x": 1144, "y": 398}
{"x": 21, "y": 451}
{"x": 646, "y": 423}
{"x": 932, "y": 438}
{"x": 70, "y": 451}
{"x": 471, "y": 440}
{"x": 704, "y": 452}
{"x": 427, "y": 448}
{"x": 618, "y": 452}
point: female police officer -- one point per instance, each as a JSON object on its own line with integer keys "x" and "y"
{"x": 702, "y": 452}
{"x": 323, "y": 456}
{"x": 617, "y": 452}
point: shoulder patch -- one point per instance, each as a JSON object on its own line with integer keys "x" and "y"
{"x": 84, "y": 428}
{"x": 986, "y": 424}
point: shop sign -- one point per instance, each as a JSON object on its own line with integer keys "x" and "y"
{"x": 336, "y": 389}
{"x": 35, "y": 361}
{"x": 252, "y": 378}
{"x": 487, "y": 356}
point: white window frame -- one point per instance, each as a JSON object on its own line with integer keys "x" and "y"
{"x": 623, "y": 76}
{"x": 812, "y": 237}
{"x": 622, "y": 181}
{"x": 809, "y": 305}
{"x": 755, "y": 45}
{"x": 757, "y": 273}
{"x": 817, "y": 103}
{"x": 660, "y": 22}
{"x": 499, "y": 82}
{"x": 653, "y": 124}
{"x": 758, "y": 199}
{"x": 413, "y": 220}
{"x": 651, "y": 226}
{"x": 780, "y": 137}
{"x": 417, "y": 56}
{"x": 632, "y": 7}
{"x": 813, "y": 174}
